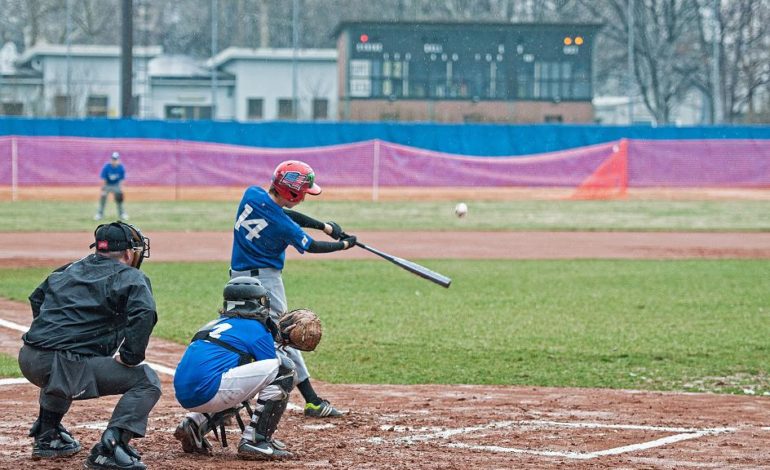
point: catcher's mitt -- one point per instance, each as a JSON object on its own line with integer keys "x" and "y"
{"x": 300, "y": 329}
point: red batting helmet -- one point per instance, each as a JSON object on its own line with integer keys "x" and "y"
{"x": 293, "y": 179}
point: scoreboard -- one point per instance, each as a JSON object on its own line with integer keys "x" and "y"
{"x": 468, "y": 61}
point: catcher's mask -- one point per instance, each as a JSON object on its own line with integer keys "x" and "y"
{"x": 245, "y": 297}
{"x": 119, "y": 236}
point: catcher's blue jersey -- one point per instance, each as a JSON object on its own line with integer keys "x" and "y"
{"x": 262, "y": 233}
{"x": 199, "y": 373}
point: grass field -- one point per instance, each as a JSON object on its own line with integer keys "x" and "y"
{"x": 641, "y": 215}
{"x": 698, "y": 325}
{"x": 9, "y": 367}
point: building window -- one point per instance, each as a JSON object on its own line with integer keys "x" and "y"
{"x": 554, "y": 118}
{"x": 524, "y": 82}
{"x": 320, "y": 108}
{"x": 286, "y": 108}
{"x": 582, "y": 82}
{"x": 96, "y": 106}
{"x": 12, "y": 108}
{"x": 62, "y": 105}
{"x": 361, "y": 78}
{"x": 560, "y": 80}
{"x": 254, "y": 108}
{"x": 188, "y": 112}
{"x": 136, "y": 102}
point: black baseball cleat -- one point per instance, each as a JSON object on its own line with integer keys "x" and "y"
{"x": 55, "y": 443}
{"x": 188, "y": 433}
{"x": 114, "y": 453}
{"x": 262, "y": 450}
{"x": 119, "y": 459}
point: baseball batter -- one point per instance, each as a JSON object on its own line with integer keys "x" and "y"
{"x": 233, "y": 359}
{"x": 264, "y": 228}
{"x": 113, "y": 173}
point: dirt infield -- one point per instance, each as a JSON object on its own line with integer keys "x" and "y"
{"x": 16, "y": 249}
{"x": 433, "y": 426}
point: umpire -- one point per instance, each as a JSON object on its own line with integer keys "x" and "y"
{"x": 92, "y": 321}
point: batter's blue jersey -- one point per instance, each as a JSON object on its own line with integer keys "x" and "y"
{"x": 113, "y": 174}
{"x": 262, "y": 233}
{"x": 199, "y": 373}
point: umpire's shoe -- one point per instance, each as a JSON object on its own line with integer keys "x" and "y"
{"x": 321, "y": 410}
{"x": 193, "y": 442}
{"x": 57, "y": 442}
{"x": 113, "y": 454}
{"x": 262, "y": 449}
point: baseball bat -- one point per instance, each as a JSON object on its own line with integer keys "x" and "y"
{"x": 414, "y": 268}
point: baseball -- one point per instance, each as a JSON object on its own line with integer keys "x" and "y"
{"x": 461, "y": 209}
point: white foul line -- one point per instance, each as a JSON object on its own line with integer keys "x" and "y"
{"x": 15, "y": 326}
{"x": 18, "y": 381}
{"x": 682, "y": 435}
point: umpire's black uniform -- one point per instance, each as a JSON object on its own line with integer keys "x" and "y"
{"x": 83, "y": 313}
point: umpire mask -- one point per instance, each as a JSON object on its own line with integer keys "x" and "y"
{"x": 120, "y": 236}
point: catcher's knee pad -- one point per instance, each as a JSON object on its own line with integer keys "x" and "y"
{"x": 285, "y": 379}
{"x": 119, "y": 198}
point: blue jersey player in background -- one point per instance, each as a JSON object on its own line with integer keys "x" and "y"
{"x": 265, "y": 226}
{"x": 113, "y": 173}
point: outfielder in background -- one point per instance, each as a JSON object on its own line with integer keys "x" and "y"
{"x": 113, "y": 173}
{"x": 92, "y": 321}
{"x": 264, "y": 228}
{"x": 233, "y": 359}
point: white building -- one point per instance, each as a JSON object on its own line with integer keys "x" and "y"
{"x": 250, "y": 84}
{"x": 182, "y": 88}
{"x": 267, "y": 81}
{"x": 614, "y": 110}
{"x": 79, "y": 80}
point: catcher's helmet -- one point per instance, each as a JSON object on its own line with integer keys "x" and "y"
{"x": 293, "y": 179}
{"x": 245, "y": 296}
{"x": 119, "y": 236}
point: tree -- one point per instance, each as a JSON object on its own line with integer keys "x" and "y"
{"x": 743, "y": 44}
{"x": 665, "y": 47}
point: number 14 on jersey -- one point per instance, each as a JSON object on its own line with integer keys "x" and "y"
{"x": 253, "y": 227}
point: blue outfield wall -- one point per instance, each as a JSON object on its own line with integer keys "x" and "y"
{"x": 464, "y": 139}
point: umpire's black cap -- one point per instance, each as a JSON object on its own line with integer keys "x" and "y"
{"x": 117, "y": 236}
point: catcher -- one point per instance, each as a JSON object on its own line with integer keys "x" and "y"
{"x": 233, "y": 359}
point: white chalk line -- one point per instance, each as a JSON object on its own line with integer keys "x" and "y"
{"x": 158, "y": 367}
{"x": 682, "y": 434}
{"x": 18, "y": 381}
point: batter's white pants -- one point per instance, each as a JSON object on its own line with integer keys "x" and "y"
{"x": 271, "y": 280}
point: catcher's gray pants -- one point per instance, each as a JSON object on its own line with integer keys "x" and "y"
{"x": 139, "y": 386}
{"x": 118, "y": 194}
{"x": 271, "y": 280}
